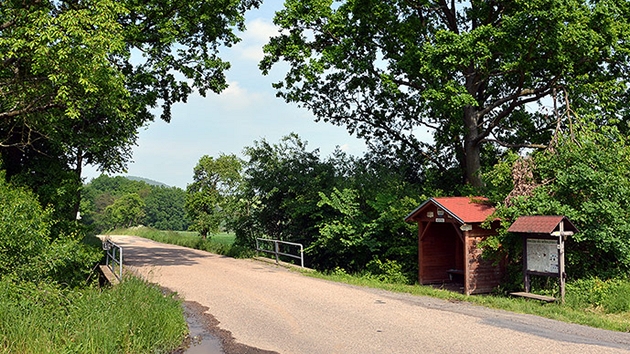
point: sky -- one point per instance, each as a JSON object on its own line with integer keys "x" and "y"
{"x": 245, "y": 112}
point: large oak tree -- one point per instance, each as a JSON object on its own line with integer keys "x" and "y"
{"x": 468, "y": 72}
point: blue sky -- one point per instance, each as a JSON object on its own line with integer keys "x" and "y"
{"x": 247, "y": 111}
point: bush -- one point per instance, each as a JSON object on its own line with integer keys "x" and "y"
{"x": 388, "y": 271}
{"x": 608, "y": 296}
{"x": 26, "y": 249}
{"x": 584, "y": 176}
{"x": 24, "y": 230}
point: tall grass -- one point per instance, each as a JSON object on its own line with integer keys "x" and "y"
{"x": 133, "y": 317}
{"x": 222, "y": 243}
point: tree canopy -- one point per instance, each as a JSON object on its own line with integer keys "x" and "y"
{"x": 469, "y": 73}
{"x": 209, "y": 199}
{"x": 79, "y": 78}
{"x": 110, "y": 202}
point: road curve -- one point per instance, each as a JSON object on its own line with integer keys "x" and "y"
{"x": 271, "y": 308}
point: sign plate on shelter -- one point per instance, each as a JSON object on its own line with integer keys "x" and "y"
{"x": 542, "y": 255}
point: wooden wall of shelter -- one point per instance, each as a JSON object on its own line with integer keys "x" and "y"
{"x": 449, "y": 233}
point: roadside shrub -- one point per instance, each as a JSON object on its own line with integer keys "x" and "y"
{"x": 26, "y": 249}
{"x": 388, "y": 271}
{"x": 24, "y": 230}
{"x": 585, "y": 175}
{"x": 608, "y": 296}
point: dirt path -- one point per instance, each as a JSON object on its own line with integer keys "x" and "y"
{"x": 273, "y": 309}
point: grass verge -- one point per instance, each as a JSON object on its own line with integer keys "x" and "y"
{"x": 133, "y": 317}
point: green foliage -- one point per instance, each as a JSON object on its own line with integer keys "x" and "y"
{"x": 27, "y": 251}
{"x": 133, "y": 317}
{"x": 462, "y": 71}
{"x": 280, "y": 193}
{"x": 126, "y": 211}
{"x": 72, "y": 75}
{"x": 211, "y": 197}
{"x": 388, "y": 272}
{"x": 109, "y": 202}
{"x": 586, "y": 178}
{"x": 607, "y": 296}
{"x": 164, "y": 209}
{"x": 24, "y": 230}
{"x": 345, "y": 211}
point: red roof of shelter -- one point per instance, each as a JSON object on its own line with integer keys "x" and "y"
{"x": 540, "y": 224}
{"x": 464, "y": 209}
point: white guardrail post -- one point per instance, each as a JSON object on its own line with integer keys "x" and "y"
{"x": 276, "y": 249}
{"x": 115, "y": 253}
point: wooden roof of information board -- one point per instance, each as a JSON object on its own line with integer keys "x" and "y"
{"x": 540, "y": 224}
{"x": 463, "y": 209}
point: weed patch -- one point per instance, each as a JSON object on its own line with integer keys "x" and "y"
{"x": 133, "y": 317}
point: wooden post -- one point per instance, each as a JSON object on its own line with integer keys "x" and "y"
{"x": 526, "y": 280}
{"x": 562, "y": 274}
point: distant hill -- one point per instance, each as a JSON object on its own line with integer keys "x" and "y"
{"x": 147, "y": 181}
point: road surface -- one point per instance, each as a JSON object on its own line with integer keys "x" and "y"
{"x": 271, "y": 308}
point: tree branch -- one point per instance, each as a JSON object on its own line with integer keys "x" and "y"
{"x": 514, "y": 146}
{"x": 28, "y": 109}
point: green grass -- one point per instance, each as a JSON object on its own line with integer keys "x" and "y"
{"x": 594, "y": 302}
{"x": 133, "y": 317}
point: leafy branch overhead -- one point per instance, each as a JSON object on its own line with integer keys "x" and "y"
{"x": 87, "y": 75}
{"x": 453, "y": 82}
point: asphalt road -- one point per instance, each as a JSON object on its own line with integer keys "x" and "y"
{"x": 271, "y": 308}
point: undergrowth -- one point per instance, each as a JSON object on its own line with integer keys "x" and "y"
{"x": 132, "y": 317}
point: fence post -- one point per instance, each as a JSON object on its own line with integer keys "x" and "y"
{"x": 276, "y": 246}
{"x": 121, "y": 263}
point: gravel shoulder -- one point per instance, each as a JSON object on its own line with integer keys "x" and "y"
{"x": 264, "y": 308}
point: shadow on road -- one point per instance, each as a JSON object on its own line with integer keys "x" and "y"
{"x": 160, "y": 256}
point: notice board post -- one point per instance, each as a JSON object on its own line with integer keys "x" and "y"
{"x": 544, "y": 240}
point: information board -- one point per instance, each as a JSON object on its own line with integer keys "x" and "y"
{"x": 542, "y": 255}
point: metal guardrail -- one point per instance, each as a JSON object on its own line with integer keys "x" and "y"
{"x": 276, "y": 249}
{"x": 114, "y": 256}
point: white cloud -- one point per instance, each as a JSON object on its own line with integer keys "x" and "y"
{"x": 237, "y": 98}
{"x": 255, "y": 37}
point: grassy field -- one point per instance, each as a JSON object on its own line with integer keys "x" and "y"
{"x": 593, "y": 302}
{"x": 133, "y": 317}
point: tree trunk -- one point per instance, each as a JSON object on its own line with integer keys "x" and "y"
{"x": 472, "y": 148}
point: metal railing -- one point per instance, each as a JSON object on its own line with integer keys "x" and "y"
{"x": 276, "y": 249}
{"x": 114, "y": 257}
